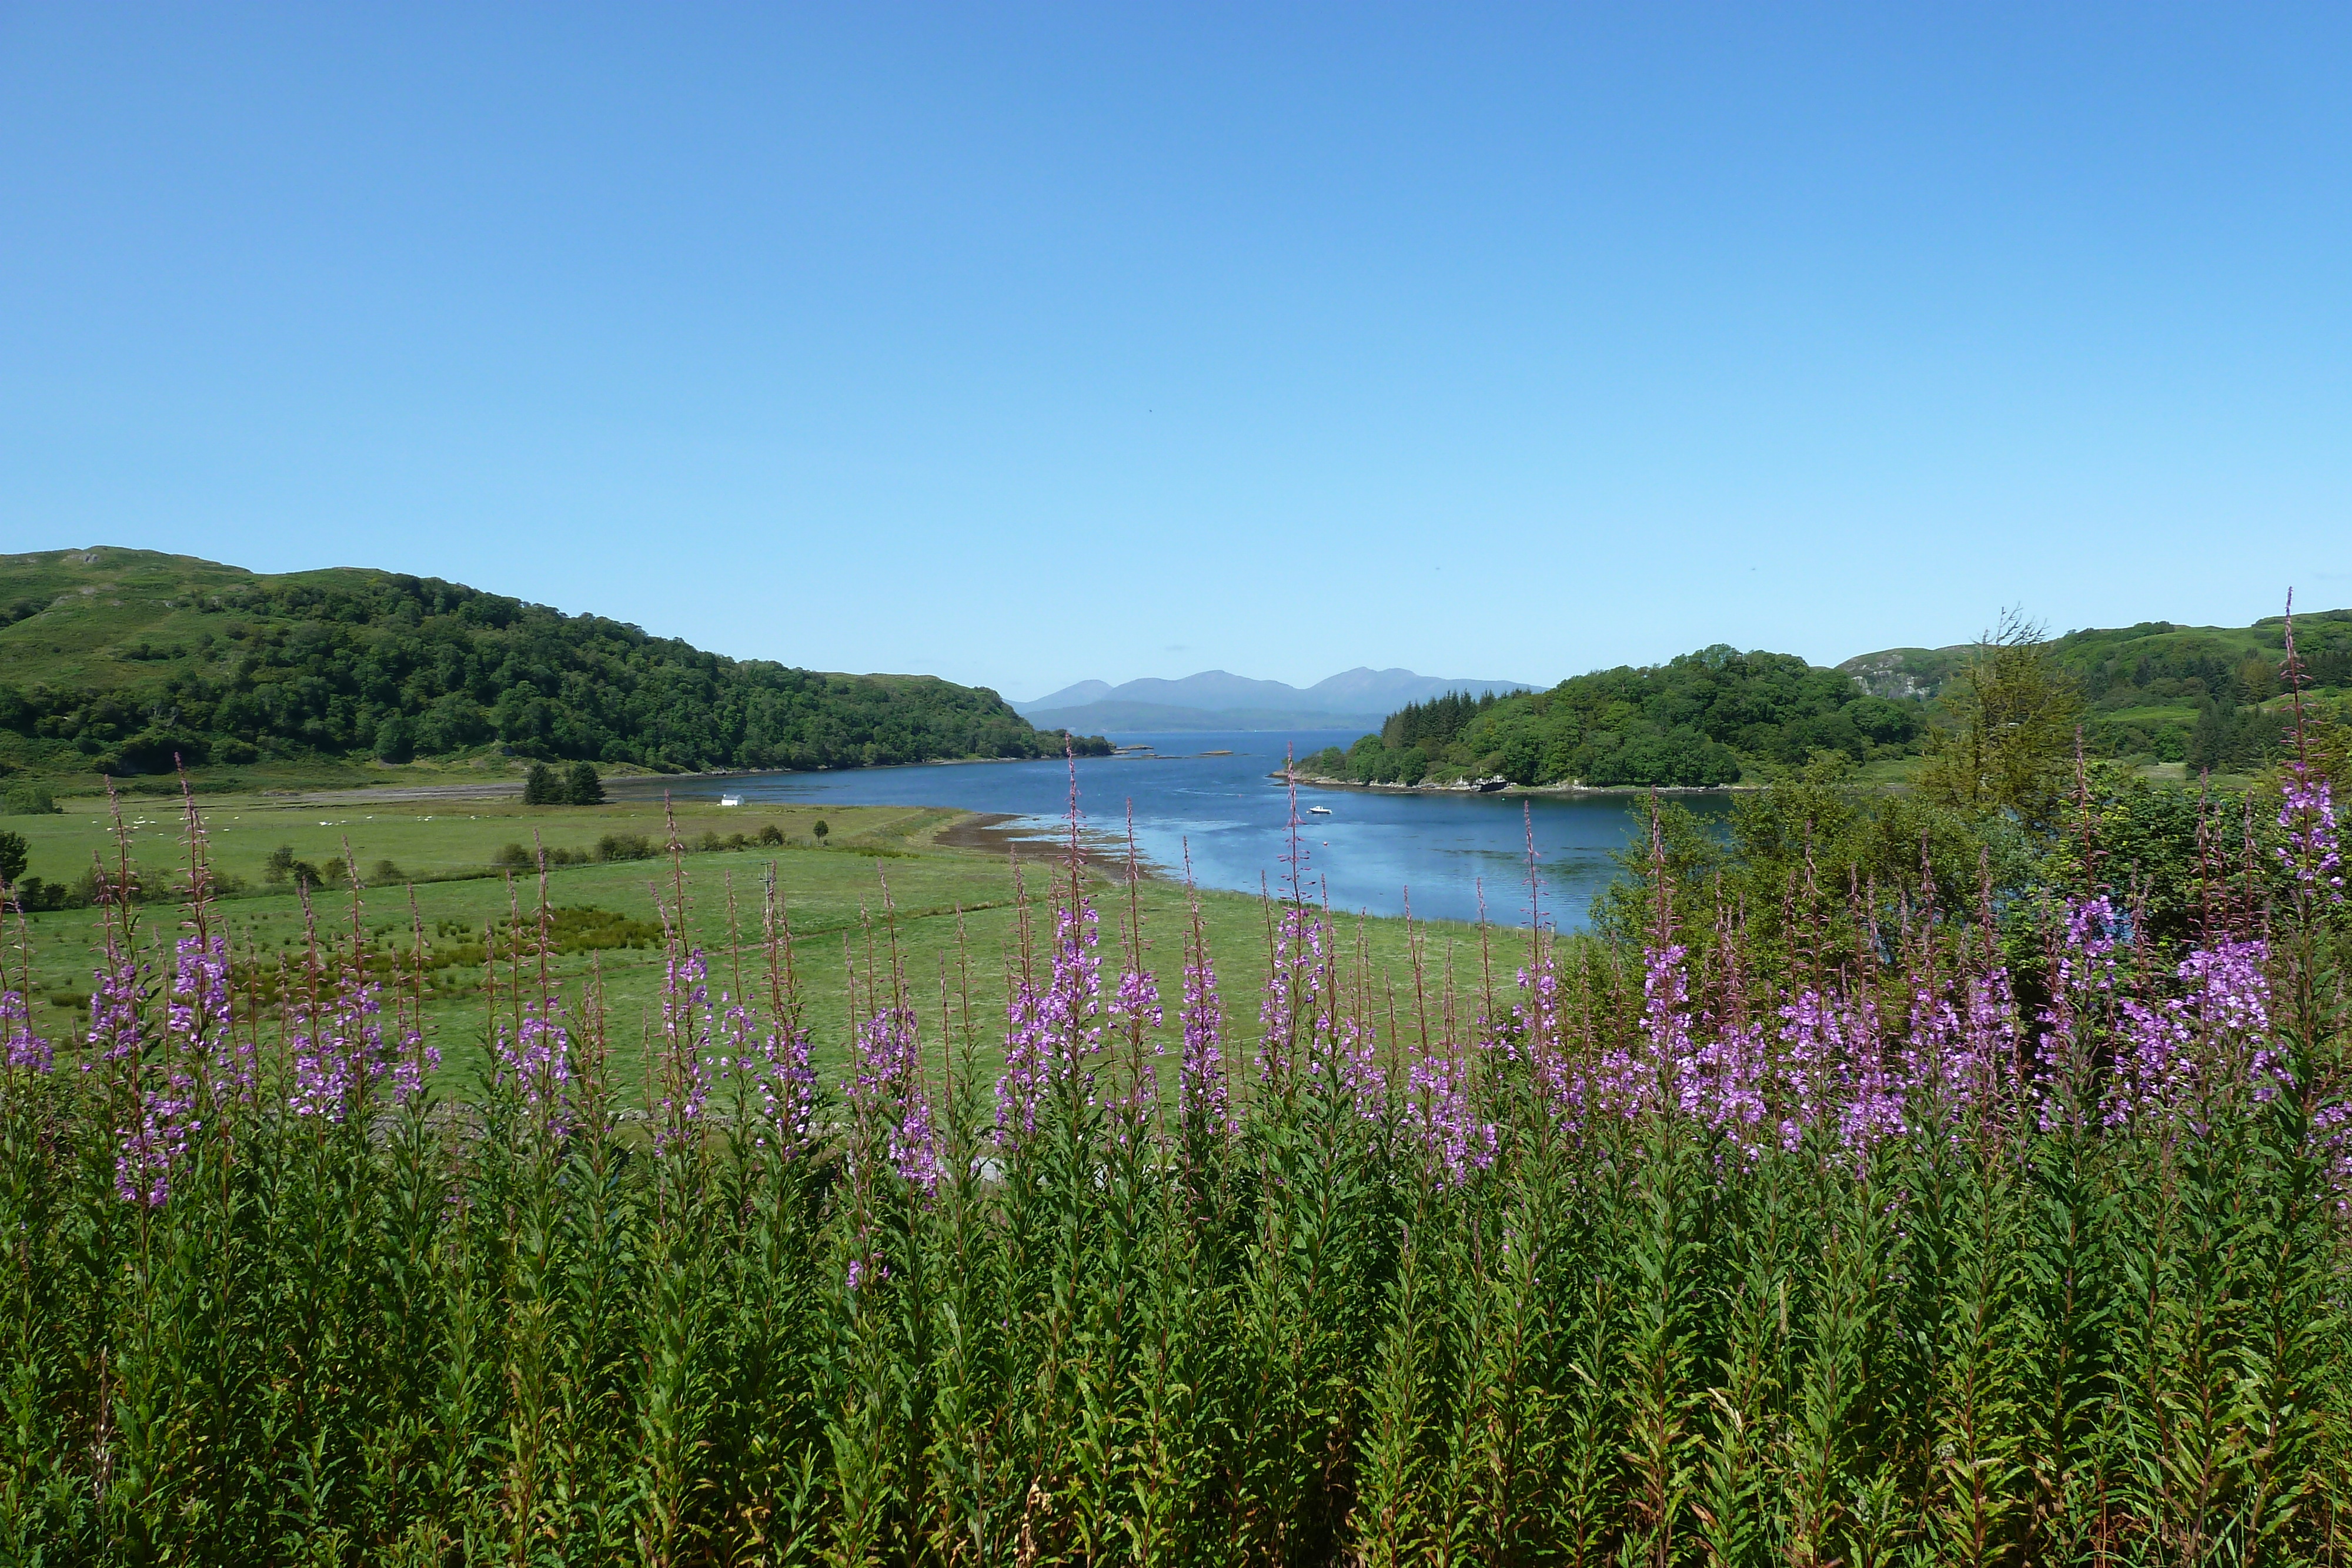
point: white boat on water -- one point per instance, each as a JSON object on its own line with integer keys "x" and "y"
{"x": 1318, "y": 810}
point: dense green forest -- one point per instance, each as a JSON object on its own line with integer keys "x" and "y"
{"x": 1696, "y": 721}
{"x": 2213, "y": 698}
{"x": 116, "y": 660}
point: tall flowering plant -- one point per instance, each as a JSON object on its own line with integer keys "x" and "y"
{"x": 1203, "y": 1093}
{"x": 1053, "y": 1034}
{"x": 889, "y": 1102}
{"x": 1307, "y": 1045}
{"x": 339, "y": 1057}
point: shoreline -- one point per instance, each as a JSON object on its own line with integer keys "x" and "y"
{"x": 990, "y": 831}
{"x": 1545, "y": 791}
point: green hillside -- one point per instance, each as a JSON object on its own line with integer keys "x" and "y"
{"x": 115, "y": 660}
{"x": 2210, "y": 697}
{"x": 1700, "y": 721}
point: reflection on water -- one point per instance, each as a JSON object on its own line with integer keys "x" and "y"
{"x": 1373, "y": 851}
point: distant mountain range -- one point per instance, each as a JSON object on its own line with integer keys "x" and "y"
{"x": 1216, "y": 699}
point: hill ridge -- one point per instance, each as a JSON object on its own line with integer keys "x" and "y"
{"x": 117, "y": 659}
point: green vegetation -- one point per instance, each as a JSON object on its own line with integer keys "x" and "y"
{"x": 116, "y": 661}
{"x": 24, "y": 798}
{"x": 577, "y": 785}
{"x": 2006, "y": 724}
{"x": 1700, "y": 720}
{"x": 1901, "y": 1182}
{"x": 2212, "y": 697}
{"x": 457, "y": 854}
{"x": 1986, "y": 717}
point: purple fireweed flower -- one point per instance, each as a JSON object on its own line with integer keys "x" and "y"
{"x": 1137, "y": 1000}
{"x": 1293, "y": 997}
{"x": 196, "y": 1022}
{"x": 1572, "y": 1084}
{"x": 534, "y": 1063}
{"x": 1986, "y": 1052}
{"x": 888, "y": 1101}
{"x": 1304, "y": 1044}
{"x": 1657, "y": 1075}
{"x": 2229, "y": 1002}
{"x": 1439, "y": 1116}
{"x": 1954, "y": 1053}
{"x": 1136, "y": 997}
{"x": 25, "y": 1049}
{"x": 768, "y": 1074}
{"x": 2312, "y": 852}
{"x": 159, "y": 1100}
{"x": 1871, "y": 1100}
{"x": 1834, "y": 1064}
{"x": 338, "y": 1053}
{"x": 118, "y": 1027}
{"x": 1053, "y": 1036}
{"x": 412, "y": 1058}
{"x": 2214, "y": 1038}
{"x": 2082, "y": 985}
{"x": 147, "y": 1153}
{"x": 1536, "y": 1018}
{"x": 1203, "y": 1094}
{"x": 1734, "y": 1072}
{"x": 686, "y": 1044}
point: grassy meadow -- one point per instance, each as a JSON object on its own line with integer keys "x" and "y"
{"x": 877, "y": 871}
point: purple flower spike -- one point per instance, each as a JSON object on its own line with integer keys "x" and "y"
{"x": 1439, "y": 1114}
{"x": 338, "y": 1053}
{"x": 1203, "y": 1095}
{"x": 25, "y": 1050}
{"x": 535, "y": 1062}
{"x": 2312, "y": 852}
{"x": 888, "y": 1099}
{"x": 1053, "y": 1036}
{"x": 687, "y": 1052}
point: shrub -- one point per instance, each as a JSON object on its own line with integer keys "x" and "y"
{"x": 625, "y": 847}
{"x": 27, "y": 798}
{"x": 280, "y": 867}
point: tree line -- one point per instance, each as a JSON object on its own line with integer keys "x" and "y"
{"x": 1689, "y": 723}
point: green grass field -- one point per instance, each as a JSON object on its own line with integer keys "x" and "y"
{"x": 880, "y": 871}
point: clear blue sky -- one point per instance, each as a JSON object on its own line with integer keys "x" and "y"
{"x": 1023, "y": 344}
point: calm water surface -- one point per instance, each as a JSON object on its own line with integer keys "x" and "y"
{"x": 1371, "y": 851}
